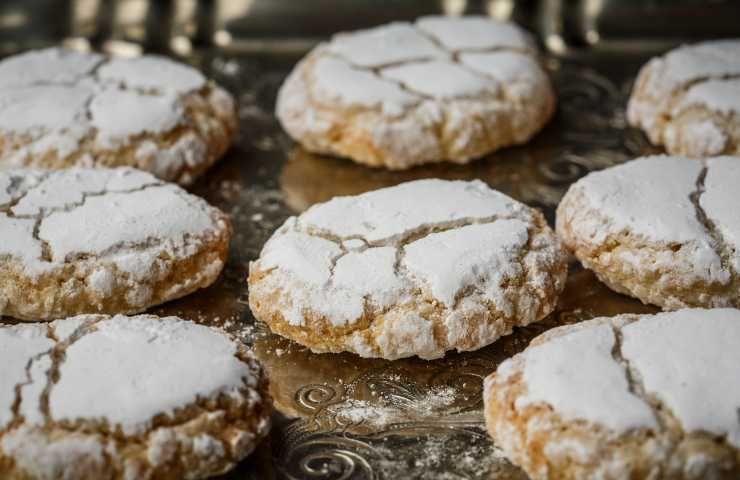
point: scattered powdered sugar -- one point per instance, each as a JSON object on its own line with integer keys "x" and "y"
{"x": 384, "y": 411}
{"x": 454, "y": 456}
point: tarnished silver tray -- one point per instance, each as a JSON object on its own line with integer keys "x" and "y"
{"x": 343, "y": 417}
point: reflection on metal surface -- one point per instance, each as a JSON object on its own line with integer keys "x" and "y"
{"x": 500, "y": 9}
{"x": 13, "y": 19}
{"x": 454, "y": 7}
{"x": 121, "y": 48}
{"x": 129, "y": 20}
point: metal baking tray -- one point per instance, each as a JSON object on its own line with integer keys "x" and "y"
{"x": 341, "y": 417}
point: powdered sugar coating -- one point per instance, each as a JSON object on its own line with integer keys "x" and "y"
{"x": 693, "y": 369}
{"x": 722, "y": 96}
{"x": 385, "y": 45}
{"x": 121, "y": 387}
{"x": 399, "y": 95}
{"x": 19, "y": 345}
{"x": 718, "y": 202}
{"x": 474, "y": 255}
{"x": 439, "y": 79}
{"x": 115, "y": 227}
{"x": 350, "y": 86}
{"x": 377, "y": 257}
{"x": 49, "y": 66}
{"x": 655, "y": 228}
{"x": 152, "y": 72}
{"x": 60, "y": 108}
{"x": 473, "y": 32}
{"x": 42, "y": 107}
{"x": 689, "y": 86}
{"x": 117, "y": 357}
{"x": 111, "y": 113}
{"x": 628, "y": 195}
{"x": 387, "y": 215}
{"x": 621, "y": 397}
{"x": 577, "y": 375}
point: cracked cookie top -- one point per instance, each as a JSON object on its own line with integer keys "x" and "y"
{"x": 437, "y": 74}
{"x": 459, "y": 246}
{"x": 94, "y": 383}
{"x": 117, "y": 231}
{"x": 668, "y": 215}
{"x": 403, "y": 64}
{"x": 54, "y": 217}
{"x": 671, "y": 376}
{"x": 65, "y": 108}
{"x": 688, "y": 98}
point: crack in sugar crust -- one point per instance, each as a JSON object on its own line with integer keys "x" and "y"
{"x": 499, "y": 266}
{"x": 182, "y": 123}
{"x": 687, "y": 99}
{"x": 99, "y": 240}
{"x": 377, "y": 106}
{"x": 202, "y": 427}
{"x": 658, "y": 245}
{"x": 570, "y": 436}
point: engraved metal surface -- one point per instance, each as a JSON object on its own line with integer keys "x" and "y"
{"x": 343, "y": 417}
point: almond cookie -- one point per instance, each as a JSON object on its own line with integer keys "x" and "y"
{"x": 399, "y": 95}
{"x": 662, "y": 229}
{"x": 689, "y": 99}
{"x": 416, "y": 269}
{"x": 60, "y": 108}
{"x": 102, "y": 241}
{"x": 631, "y": 396}
{"x": 106, "y": 398}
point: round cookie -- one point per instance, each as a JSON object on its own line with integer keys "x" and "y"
{"x": 60, "y": 108}
{"x": 631, "y": 396}
{"x": 689, "y": 99}
{"x": 98, "y": 397}
{"x": 102, "y": 241}
{"x": 662, "y": 229}
{"x": 416, "y": 269}
{"x": 399, "y": 95}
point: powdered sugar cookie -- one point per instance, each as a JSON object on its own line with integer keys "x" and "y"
{"x": 97, "y": 397}
{"x": 102, "y": 240}
{"x": 689, "y": 99}
{"x": 399, "y": 95}
{"x": 662, "y": 229}
{"x": 417, "y": 269}
{"x": 60, "y": 109}
{"x": 631, "y": 396}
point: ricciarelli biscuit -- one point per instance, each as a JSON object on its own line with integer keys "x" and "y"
{"x": 102, "y": 241}
{"x": 631, "y": 396}
{"x": 400, "y": 95}
{"x": 663, "y": 229}
{"x": 60, "y": 109}
{"x": 95, "y": 397}
{"x": 689, "y": 99}
{"x": 417, "y": 269}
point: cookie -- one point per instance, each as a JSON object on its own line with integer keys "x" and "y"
{"x": 102, "y": 241}
{"x": 689, "y": 99}
{"x": 98, "y": 397}
{"x": 416, "y": 269}
{"x": 631, "y": 396}
{"x": 399, "y": 95}
{"x": 662, "y": 229}
{"x": 60, "y": 109}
